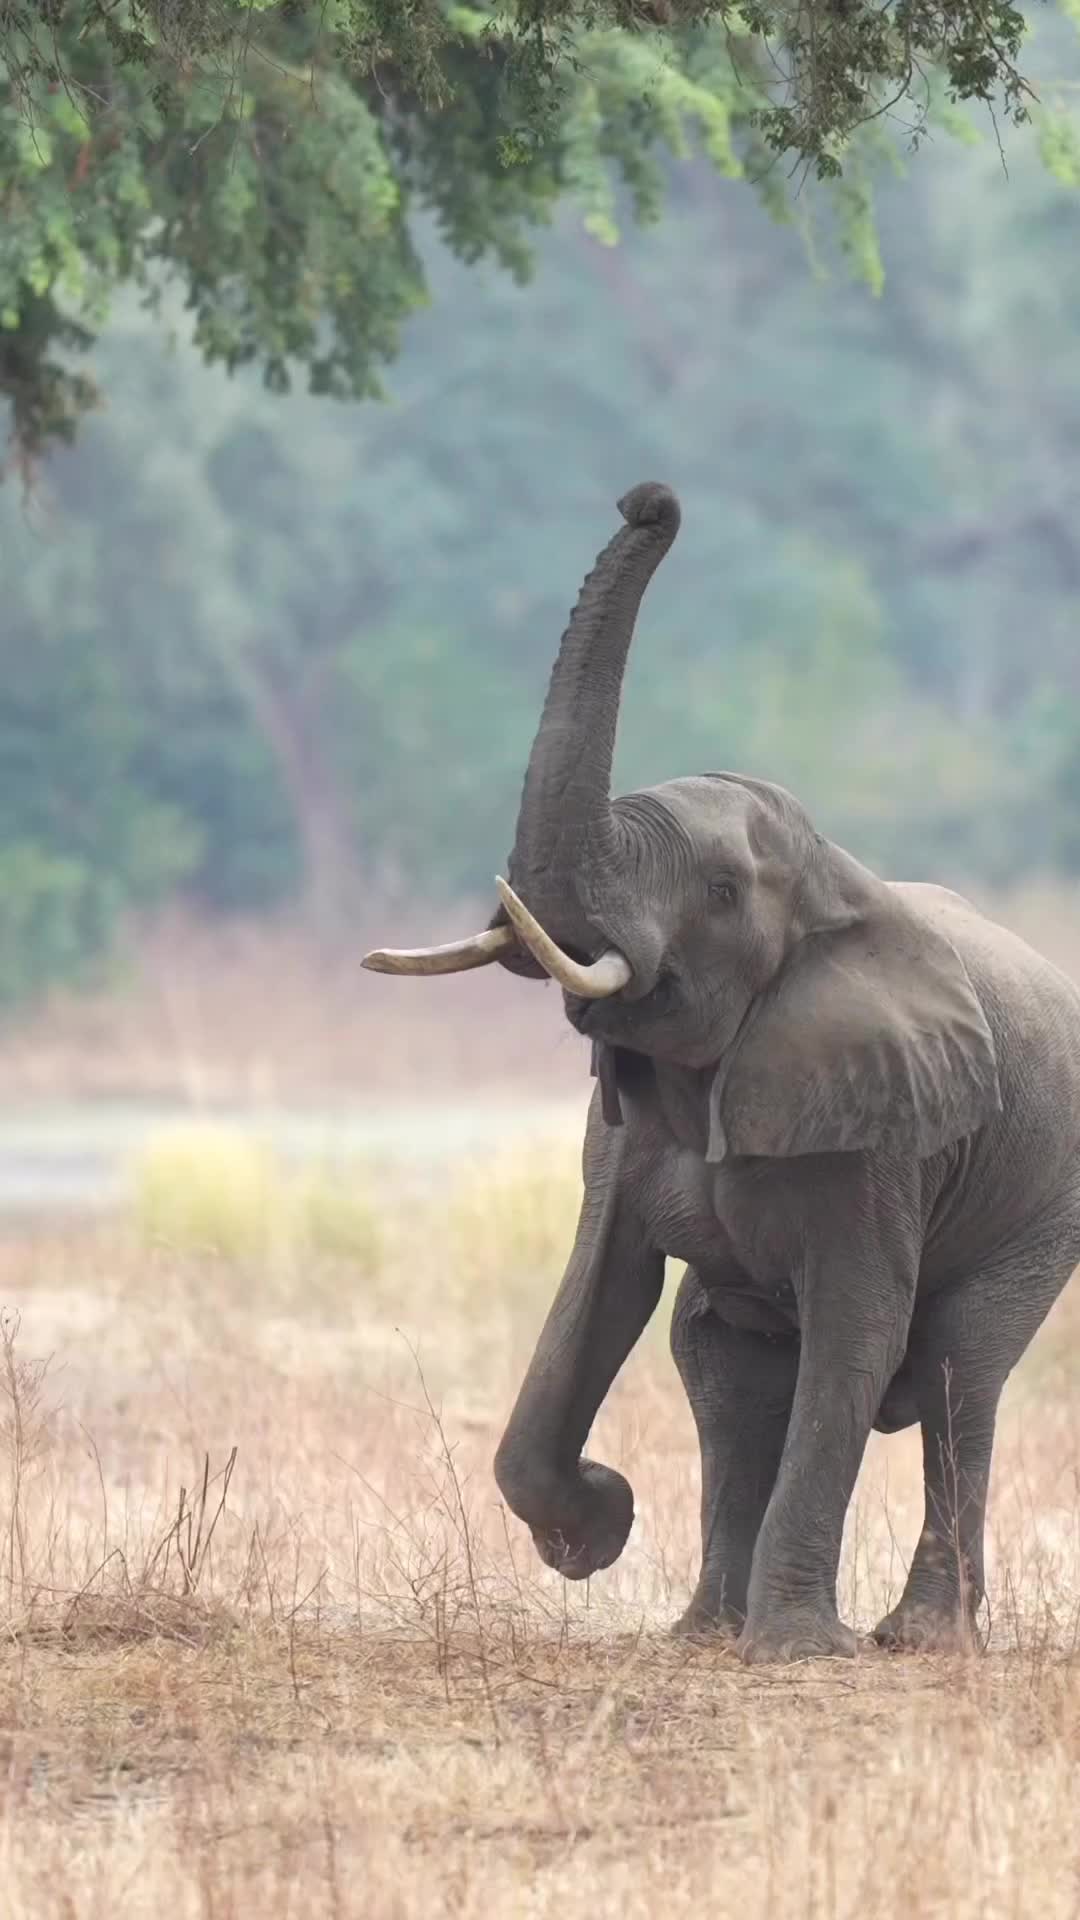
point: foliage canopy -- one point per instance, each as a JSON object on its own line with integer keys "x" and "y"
{"x": 271, "y": 156}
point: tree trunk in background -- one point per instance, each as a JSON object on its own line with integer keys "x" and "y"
{"x": 290, "y": 713}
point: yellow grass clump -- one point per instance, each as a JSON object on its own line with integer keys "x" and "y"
{"x": 202, "y": 1190}
{"x": 337, "y": 1216}
{"x": 206, "y": 1190}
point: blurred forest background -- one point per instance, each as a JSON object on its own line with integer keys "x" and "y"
{"x": 275, "y": 662}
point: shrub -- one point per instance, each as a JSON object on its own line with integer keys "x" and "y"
{"x": 206, "y": 1190}
{"x": 209, "y": 1190}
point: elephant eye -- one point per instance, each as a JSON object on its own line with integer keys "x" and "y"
{"x": 723, "y": 892}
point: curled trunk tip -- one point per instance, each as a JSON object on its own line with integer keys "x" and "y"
{"x": 651, "y": 504}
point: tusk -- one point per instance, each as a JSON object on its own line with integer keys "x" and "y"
{"x": 479, "y": 950}
{"x": 596, "y": 982}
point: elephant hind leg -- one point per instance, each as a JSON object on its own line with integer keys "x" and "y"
{"x": 963, "y": 1349}
{"x": 945, "y": 1584}
{"x": 740, "y": 1387}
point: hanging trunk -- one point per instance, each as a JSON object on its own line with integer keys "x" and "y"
{"x": 565, "y": 828}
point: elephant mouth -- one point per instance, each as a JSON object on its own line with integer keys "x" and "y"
{"x": 621, "y": 1015}
{"x": 594, "y": 980}
{"x": 594, "y": 1018}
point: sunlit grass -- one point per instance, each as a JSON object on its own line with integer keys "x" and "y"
{"x": 200, "y": 1191}
{"x": 484, "y": 1238}
{"x": 336, "y": 1214}
{"x": 208, "y": 1191}
{"x": 505, "y": 1221}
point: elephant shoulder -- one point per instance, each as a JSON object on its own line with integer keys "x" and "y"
{"x": 1006, "y": 970}
{"x": 993, "y": 956}
{"x": 872, "y": 1037}
{"x": 938, "y": 904}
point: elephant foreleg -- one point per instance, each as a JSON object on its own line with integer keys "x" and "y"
{"x": 740, "y": 1386}
{"x": 854, "y": 1279}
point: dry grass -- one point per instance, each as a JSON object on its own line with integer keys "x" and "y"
{"x": 326, "y": 1676}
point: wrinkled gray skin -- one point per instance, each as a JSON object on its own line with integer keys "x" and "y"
{"x": 852, "y": 1107}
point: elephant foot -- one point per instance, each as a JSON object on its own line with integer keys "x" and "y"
{"x": 915, "y": 1628}
{"x": 795, "y": 1637}
{"x": 715, "y": 1625}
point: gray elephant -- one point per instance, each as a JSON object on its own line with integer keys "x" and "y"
{"x": 851, "y": 1107}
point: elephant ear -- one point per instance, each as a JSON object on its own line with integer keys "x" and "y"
{"x": 871, "y": 1037}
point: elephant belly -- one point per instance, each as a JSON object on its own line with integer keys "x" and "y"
{"x": 898, "y": 1407}
{"x": 677, "y": 1195}
{"x": 740, "y": 1301}
{"x": 679, "y": 1205}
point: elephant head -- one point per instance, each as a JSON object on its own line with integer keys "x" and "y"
{"x": 705, "y": 924}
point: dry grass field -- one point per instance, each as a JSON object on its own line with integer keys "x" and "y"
{"x": 272, "y": 1648}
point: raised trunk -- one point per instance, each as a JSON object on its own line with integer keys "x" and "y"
{"x": 565, "y": 828}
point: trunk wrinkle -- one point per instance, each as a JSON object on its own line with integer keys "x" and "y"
{"x": 566, "y": 832}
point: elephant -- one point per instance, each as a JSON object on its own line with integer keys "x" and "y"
{"x": 851, "y": 1106}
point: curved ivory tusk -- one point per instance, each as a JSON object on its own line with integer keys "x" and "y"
{"x": 479, "y": 950}
{"x": 596, "y": 982}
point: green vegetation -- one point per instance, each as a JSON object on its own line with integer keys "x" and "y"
{"x": 833, "y": 67}
{"x": 286, "y": 654}
{"x": 271, "y": 157}
{"x": 271, "y": 161}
